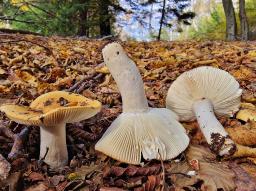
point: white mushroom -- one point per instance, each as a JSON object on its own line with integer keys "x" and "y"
{"x": 139, "y": 129}
{"x": 51, "y": 111}
{"x": 201, "y": 92}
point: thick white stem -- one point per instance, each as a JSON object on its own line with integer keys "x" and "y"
{"x": 54, "y": 138}
{"x": 127, "y": 77}
{"x": 213, "y": 131}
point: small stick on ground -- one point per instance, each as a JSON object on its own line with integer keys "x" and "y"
{"x": 41, "y": 160}
{"x": 17, "y": 147}
{"x": 76, "y": 85}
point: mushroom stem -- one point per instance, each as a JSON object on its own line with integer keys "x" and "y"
{"x": 213, "y": 131}
{"x": 54, "y": 138}
{"x": 128, "y": 79}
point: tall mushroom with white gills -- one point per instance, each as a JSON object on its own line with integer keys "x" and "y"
{"x": 51, "y": 111}
{"x": 139, "y": 130}
{"x": 201, "y": 92}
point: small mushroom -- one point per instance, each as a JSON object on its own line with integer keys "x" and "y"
{"x": 201, "y": 92}
{"x": 51, "y": 111}
{"x": 139, "y": 130}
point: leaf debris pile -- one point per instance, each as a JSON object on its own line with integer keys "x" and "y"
{"x": 33, "y": 65}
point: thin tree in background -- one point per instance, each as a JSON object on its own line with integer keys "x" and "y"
{"x": 161, "y": 20}
{"x": 243, "y": 21}
{"x": 231, "y": 26}
{"x": 104, "y": 17}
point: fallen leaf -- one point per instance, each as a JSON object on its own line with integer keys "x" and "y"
{"x": 246, "y": 114}
{"x": 214, "y": 175}
{"x": 12, "y": 182}
{"x": 5, "y": 168}
{"x": 243, "y": 134}
{"x": 243, "y": 180}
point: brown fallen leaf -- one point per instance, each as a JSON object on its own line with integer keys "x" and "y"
{"x": 243, "y": 134}
{"x": 12, "y": 182}
{"x": 111, "y": 189}
{"x": 5, "y": 168}
{"x": 213, "y": 175}
{"x": 38, "y": 187}
{"x": 131, "y": 171}
{"x": 243, "y": 180}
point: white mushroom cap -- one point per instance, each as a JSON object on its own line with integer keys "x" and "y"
{"x": 154, "y": 134}
{"x": 207, "y": 82}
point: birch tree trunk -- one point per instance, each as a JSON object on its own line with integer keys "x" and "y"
{"x": 243, "y": 21}
{"x": 231, "y": 26}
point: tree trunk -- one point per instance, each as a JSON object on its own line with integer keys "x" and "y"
{"x": 243, "y": 20}
{"x": 105, "y": 27}
{"x": 231, "y": 27}
{"x": 161, "y": 20}
{"x": 83, "y": 20}
{"x": 83, "y": 27}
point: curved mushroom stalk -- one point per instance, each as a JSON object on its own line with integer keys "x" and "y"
{"x": 213, "y": 131}
{"x": 54, "y": 138}
{"x": 127, "y": 77}
{"x": 139, "y": 130}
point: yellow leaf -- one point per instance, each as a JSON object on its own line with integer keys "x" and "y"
{"x": 103, "y": 70}
{"x": 242, "y": 73}
{"x": 73, "y": 176}
{"x": 245, "y": 105}
{"x": 246, "y": 114}
{"x": 24, "y": 8}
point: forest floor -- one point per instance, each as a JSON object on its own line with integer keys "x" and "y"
{"x": 33, "y": 65}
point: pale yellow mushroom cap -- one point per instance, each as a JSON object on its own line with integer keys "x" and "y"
{"x": 207, "y": 82}
{"x": 53, "y": 108}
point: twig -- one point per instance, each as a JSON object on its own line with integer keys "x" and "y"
{"x": 16, "y": 20}
{"x": 76, "y": 85}
{"x": 46, "y": 152}
{"x": 41, "y": 160}
{"x": 17, "y": 147}
{"x": 13, "y": 31}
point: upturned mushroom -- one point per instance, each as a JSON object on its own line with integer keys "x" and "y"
{"x": 139, "y": 130}
{"x": 201, "y": 92}
{"x": 51, "y": 111}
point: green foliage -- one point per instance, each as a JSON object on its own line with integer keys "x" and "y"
{"x": 214, "y": 26}
{"x": 211, "y": 27}
{"x": 61, "y": 17}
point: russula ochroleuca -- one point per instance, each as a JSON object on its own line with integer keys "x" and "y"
{"x": 139, "y": 130}
{"x": 201, "y": 92}
{"x": 51, "y": 111}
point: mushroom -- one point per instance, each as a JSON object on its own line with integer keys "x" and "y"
{"x": 139, "y": 130}
{"x": 51, "y": 111}
{"x": 201, "y": 92}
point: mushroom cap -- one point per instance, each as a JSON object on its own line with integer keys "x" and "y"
{"x": 111, "y": 50}
{"x": 53, "y": 108}
{"x": 153, "y": 134}
{"x": 204, "y": 82}
{"x": 22, "y": 114}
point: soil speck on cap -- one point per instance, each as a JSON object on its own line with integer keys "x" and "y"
{"x": 62, "y": 101}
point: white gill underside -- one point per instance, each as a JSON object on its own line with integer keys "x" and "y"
{"x": 155, "y": 134}
{"x": 204, "y": 82}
